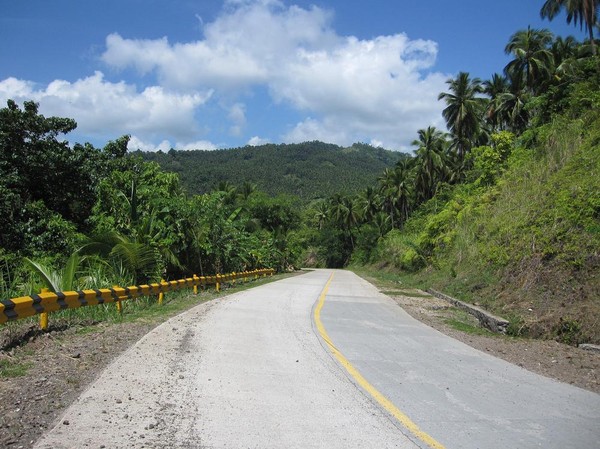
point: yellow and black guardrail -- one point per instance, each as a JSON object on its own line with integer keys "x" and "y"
{"x": 46, "y": 301}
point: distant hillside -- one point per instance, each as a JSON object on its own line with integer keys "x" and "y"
{"x": 309, "y": 170}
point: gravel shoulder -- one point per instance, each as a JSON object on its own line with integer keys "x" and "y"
{"x": 56, "y": 367}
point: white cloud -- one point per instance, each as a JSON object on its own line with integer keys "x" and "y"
{"x": 380, "y": 88}
{"x": 135, "y": 143}
{"x": 196, "y": 145}
{"x": 104, "y": 108}
{"x": 243, "y": 47}
{"x": 237, "y": 115}
{"x": 256, "y": 141}
{"x": 344, "y": 88}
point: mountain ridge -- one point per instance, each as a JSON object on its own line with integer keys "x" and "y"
{"x": 308, "y": 170}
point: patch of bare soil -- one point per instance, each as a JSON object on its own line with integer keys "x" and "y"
{"x": 546, "y": 357}
{"x": 59, "y": 366}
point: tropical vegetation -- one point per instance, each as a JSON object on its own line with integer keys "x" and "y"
{"x": 502, "y": 207}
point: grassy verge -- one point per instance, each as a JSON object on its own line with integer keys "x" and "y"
{"x": 13, "y": 368}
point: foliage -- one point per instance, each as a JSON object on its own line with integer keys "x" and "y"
{"x": 490, "y": 161}
{"x": 308, "y": 170}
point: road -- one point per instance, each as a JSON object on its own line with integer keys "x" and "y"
{"x": 321, "y": 360}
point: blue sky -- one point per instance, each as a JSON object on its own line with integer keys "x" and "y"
{"x": 219, "y": 74}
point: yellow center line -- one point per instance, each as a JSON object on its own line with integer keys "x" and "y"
{"x": 380, "y": 398}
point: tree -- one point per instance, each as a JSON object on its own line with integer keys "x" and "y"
{"x": 369, "y": 203}
{"x": 345, "y": 215}
{"x": 430, "y": 161}
{"x": 582, "y": 12}
{"x": 41, "y": 177}
{"x": 463, "y": 110}
{"x": 494, "y": 88}
{"x": 396, "y": 190}
{"x": 533, "y": 60}
{"x": 512, "y": 108}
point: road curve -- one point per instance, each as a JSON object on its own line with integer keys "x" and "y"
{"x": 255, "y": 370}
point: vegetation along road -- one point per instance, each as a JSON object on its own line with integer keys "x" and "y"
{"x": 319, "y": 360}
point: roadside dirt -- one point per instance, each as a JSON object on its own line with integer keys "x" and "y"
{"x": 60, "y": 364}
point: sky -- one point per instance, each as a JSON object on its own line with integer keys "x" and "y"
{"x": 212, "y": 74}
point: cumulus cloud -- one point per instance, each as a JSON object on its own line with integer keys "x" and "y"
{"x": 380, "y": 88}
{"x": 344, "y": 89}
{"x": 135, "y": 143}
{"x": 256, "y": 141}
{"x": 101, "y": 107}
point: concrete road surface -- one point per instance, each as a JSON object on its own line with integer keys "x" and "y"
{"x": 316, "y": 361}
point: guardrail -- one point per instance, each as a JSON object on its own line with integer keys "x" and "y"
{"x": 46, "y": 301}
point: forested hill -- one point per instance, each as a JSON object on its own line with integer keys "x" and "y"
{"x": 308, "y": 170}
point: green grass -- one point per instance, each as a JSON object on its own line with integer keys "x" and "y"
{"x": 9, "y": 368}
{"x": 465, "y": 322}
{"x": 467, "y": 328}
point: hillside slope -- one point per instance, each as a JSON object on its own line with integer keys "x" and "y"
{"x": 526, "y": 247}
{"x": 308, "y": 170}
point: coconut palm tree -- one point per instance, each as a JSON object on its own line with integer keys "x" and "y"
{"x": 494, "y": 88}
{"x": 345, "y": 214}
{"x": 396, "y": 190}
{"x": 511, "y": 106}
{"x": 369, "y": 203}
{"x": 533, "y": 60}
{"x": 430, "y": 161}
{"x": 582, "y": 12}
{"x": 464, "y": 108}
{"x": 322, "y": 213}
{"x": 247, "y": 189}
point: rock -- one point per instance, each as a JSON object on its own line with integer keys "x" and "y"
{"x": 589, "y": 347}
{"x": 66, "y": 422}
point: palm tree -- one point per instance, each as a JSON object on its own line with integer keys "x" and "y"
{"x": 345, "y": 214}
{"x": 369, "y": 203}
{"x": 247, "y": 189}
{"x": 430, "y": 161}
{"x": 322, "y": 213}
{"x": 139, "y": 260}
{"x": 463, "y": 110}
{"x": 229, "y": 190}
{"x": 511, "y": 106}
{"x": 381, "y": 220}
{"x": 396, "y": 190}
{"x": 584, "y": 12}
{"x": 533, "y": 60}
{"x": 494, "y": 88}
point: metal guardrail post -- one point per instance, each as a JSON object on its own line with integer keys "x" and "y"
{"x": 44, "y": 315}
{"x": 161, "y": 295}
{"x": 118, "y": 303}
